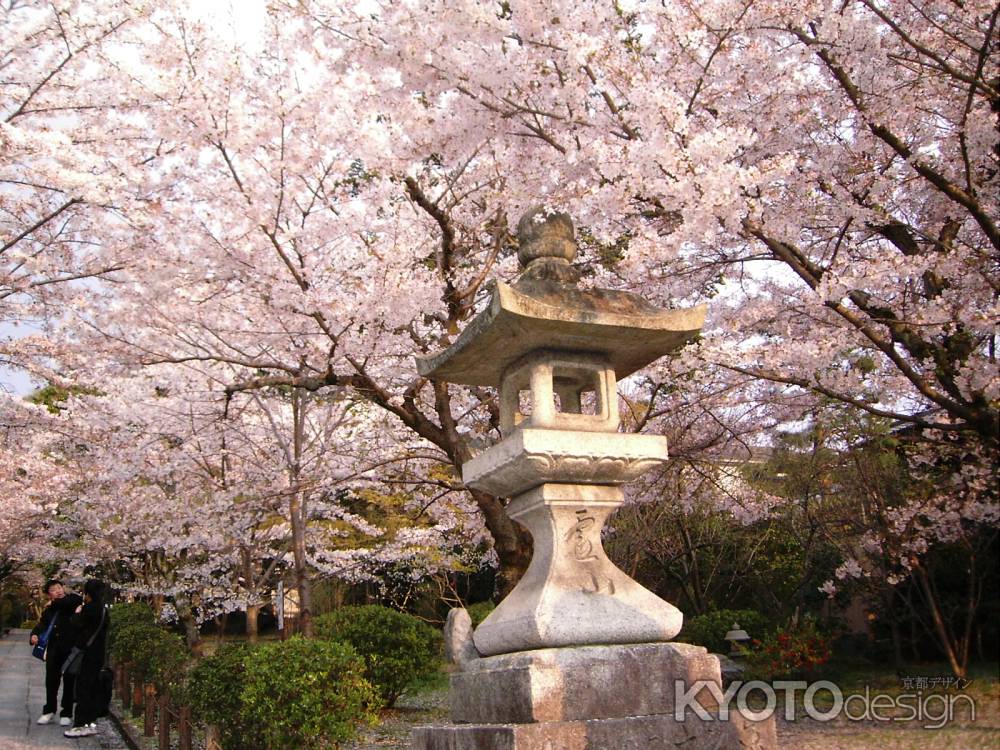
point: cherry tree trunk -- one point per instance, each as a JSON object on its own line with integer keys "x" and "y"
{"x": 192, "y": 633}
{"x": 511, "y": 540}
{"x": 297, "y": 514}
{"x": 955, "y": 647}
{"x": 253, "y": 610}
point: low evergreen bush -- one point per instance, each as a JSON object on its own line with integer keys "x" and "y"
{"x": 152, "y": 653}
{"x": 400, "y": 651}
{"x": 125, "y": 617}
{"x": 480, "y": 611}
{"x": 214, "y": 691}
{"x": 303, "y": 694}
{"x": 159, "y": 656}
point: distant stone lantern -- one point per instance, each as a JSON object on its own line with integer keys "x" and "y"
{"x": 555, "y": 352}
{"x": 738, "y": 638}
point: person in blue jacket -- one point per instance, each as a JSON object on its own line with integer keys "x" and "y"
{"x": 91, "y": 622}
{"x": 61, "y": 607}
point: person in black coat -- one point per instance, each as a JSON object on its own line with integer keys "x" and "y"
{"x": 61, "y": 607}
{"x": 91, "y": 622}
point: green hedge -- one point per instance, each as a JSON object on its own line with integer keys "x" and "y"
{"x": 214, "y": 690}
{"x": 124, "y": 618}
{"x": 283, "y": 696}
{"x": 153, "y": 653}
{"x": 400, "y": 651}
{"x": 306, "y": 694}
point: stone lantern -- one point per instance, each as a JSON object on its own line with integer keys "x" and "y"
{"x": 555, "y": 352}
{"x": 737, "y": 638}
{"x": 577, "y": 640}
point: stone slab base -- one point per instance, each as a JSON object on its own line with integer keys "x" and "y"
{"x": 585, "y": 682}
{"x": 658, "y": 732}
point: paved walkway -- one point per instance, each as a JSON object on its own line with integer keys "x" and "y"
{"x": 22, "y": 695}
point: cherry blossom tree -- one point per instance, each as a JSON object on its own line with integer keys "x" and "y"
{"x": 174, "y": 497}
{"x": 66, "y": 149}
{"x": 895, "y": 507}
{"x": 32, "y": 484}
{"x": 328, "y": 198}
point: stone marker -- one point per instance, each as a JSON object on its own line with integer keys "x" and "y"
{"x": 577, "y": 656}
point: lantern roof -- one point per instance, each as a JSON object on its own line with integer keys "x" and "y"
{"x": 546, "y": 310}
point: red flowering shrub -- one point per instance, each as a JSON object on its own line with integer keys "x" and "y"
{"x": 790, "y": 653}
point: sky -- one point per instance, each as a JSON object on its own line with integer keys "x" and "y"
{"x": 14, "y": 381}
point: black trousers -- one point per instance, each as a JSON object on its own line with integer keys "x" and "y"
{"x": 53, "y": 674}
{"x": 88, "y": 694}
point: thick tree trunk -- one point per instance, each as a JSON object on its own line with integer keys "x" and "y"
{"x": 220, "y": 622}
{"x": 302, "y": 582}
{"x": 192, "y": 633}
{"x": 511, "y": 540}
{"x": 253, "y": 610}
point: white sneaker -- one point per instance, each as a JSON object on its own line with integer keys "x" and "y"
{"x": 85, "y": 731}
{"x": 46, "y": 718}
{"x": 65, "y": 721}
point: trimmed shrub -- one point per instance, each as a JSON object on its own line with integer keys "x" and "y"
{"x": 159, "y": 656}
{"x": 214, "y": 687}
{"x": 304, "y": 694}
{"x": 709, "y": 630}
{"x": 153, "y": 653}
{"x": 125, "y": 617}
{"x": 400, "y": 651}
{"x": 479, "y": 612}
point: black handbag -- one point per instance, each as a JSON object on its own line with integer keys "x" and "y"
{"x": 74, "y": 661}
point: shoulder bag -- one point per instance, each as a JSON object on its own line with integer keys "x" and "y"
{"x": 38, "y": 650}
{"x": 74, "y": 661}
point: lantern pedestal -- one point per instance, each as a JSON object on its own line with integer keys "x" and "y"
{"x": 571, "y": 594}
{"x": 591, "y": 698}
{"x": 630, "y": 733}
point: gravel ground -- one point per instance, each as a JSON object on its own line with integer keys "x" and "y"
{"x": 109, "y": 737}
{"x": 810, "y": 735}
{"x": 393, "y": 731}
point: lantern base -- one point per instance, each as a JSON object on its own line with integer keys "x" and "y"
{"x": 592, "y": 698}
{"x": 631, "y": 733}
